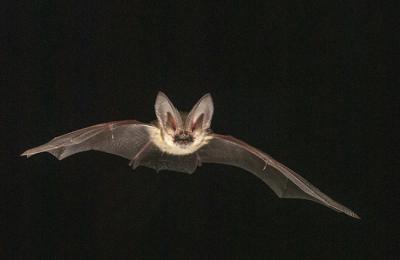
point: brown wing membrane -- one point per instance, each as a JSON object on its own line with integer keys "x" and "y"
{"x": 123, "y": 138}
{"x": 282, "y": 180}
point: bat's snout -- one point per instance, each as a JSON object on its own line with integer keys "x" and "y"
{"x": 184, "y": 138}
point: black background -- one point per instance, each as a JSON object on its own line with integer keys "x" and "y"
{"x": 309, "y": 82}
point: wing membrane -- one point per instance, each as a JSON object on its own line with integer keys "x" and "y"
{"x": 282, "y": 180}
{"x": 123, "y": 138}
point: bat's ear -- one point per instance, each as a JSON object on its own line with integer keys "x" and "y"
{"x": 168, "y": 116}
{"x": 201, "y": 114}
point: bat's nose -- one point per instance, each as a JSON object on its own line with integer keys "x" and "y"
{"x": 183, "y": 137}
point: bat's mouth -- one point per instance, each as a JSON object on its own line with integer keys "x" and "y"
{"x": 183, "y": 138}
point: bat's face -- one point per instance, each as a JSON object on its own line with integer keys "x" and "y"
{"x": 180, "y": 137}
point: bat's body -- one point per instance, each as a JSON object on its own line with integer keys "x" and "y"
{"x": 182, "y": 142}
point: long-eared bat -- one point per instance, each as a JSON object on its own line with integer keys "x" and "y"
{"x": 181, "y": 142}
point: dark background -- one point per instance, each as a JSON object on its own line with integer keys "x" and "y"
{"x": 310, "y": 82}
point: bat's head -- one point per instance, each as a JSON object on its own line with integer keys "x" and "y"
{"x": 179, "y": 136}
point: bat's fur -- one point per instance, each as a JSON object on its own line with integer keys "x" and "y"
{"x": 165, "y": 142}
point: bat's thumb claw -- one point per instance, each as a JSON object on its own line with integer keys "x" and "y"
{"x": 265, "y": 166}
{"x": 134, "y": 164}
{"x": 131, "y": 163}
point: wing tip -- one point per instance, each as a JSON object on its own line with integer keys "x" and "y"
{"x": 351, "y": 213}
{"x": 26, "y": 153}
{"x": 354, "y": 215}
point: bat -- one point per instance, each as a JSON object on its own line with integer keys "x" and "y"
{"x": 182, "y": 142}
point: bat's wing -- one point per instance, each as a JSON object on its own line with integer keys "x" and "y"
{"x": 282, "y": 180}
{"x": 123, "y": 138}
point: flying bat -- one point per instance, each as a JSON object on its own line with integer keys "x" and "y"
{"x": 181, "y": 142}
